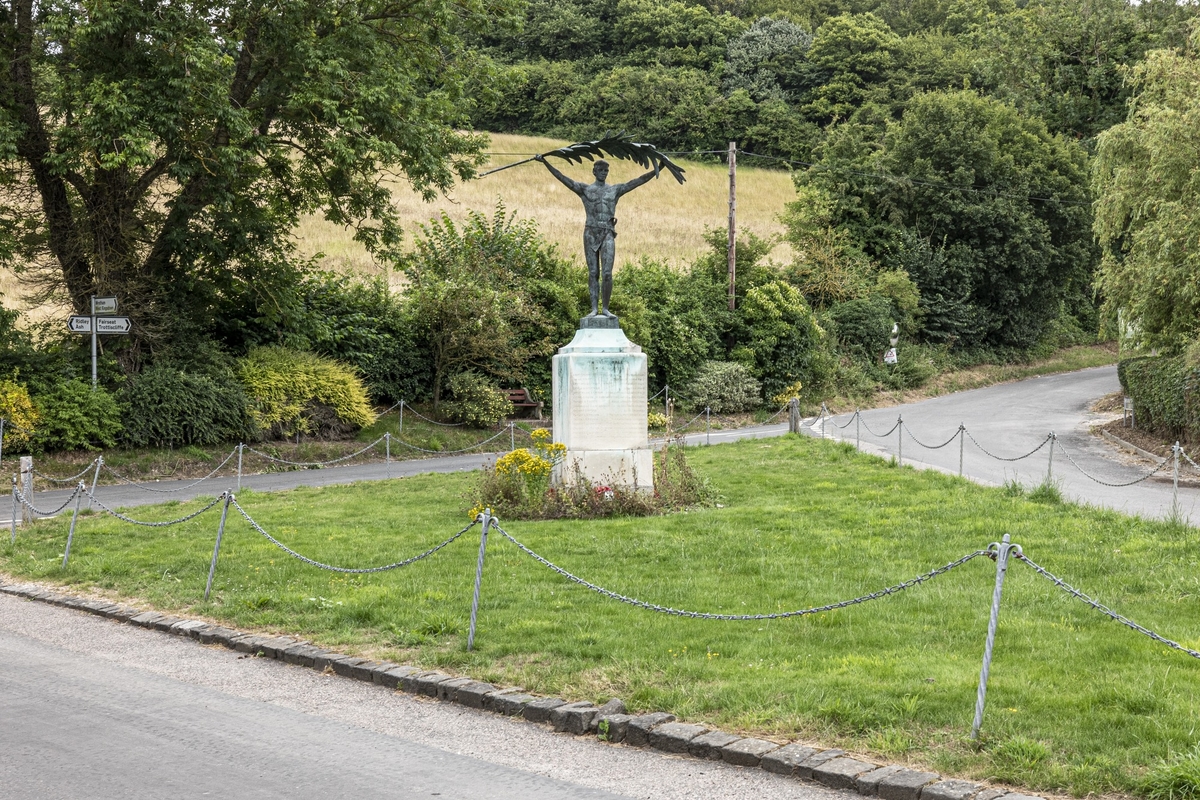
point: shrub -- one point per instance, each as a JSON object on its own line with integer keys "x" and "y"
{"x": 1165, "y": 392}
{"x": 363, "y": 323}
{"x": 19, "y": 413}
{"x": 724, "y": 387}
{"x": 76, "y": 417}
{"x": 170, "y": 408}
{"x": 864, "y": 326}
{"x": 784, "y": 343}
{"x": 293, "y": 392}
{"x": 913, "y": 367}
{"x": 476, "y": 402}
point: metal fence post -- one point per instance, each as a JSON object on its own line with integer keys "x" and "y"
{"x": 212, "y": 567}
{"x": 667, "y": 400}
{"x": 486, "y": 519}
{"x": 95, "y": 478}
{"x": 14, "y": 517}
{"x": 1050, "y": 463}
{"x": 387, "y": 452}
{"x": 241, "y": 449}
{"x": 79, "y": 492}
{"x": 962, "y": 435}
{"x": 900, "y": 440}
{"x": 1002, "y": 550}
{"x": 823, "y": 411}
{"x": 26, "y": 488}
{"x": 1175, "y": 490}
{"x": 2, "y": 421}
{"x": 512, "y": 436}
{"x": 857, "y": 435}
{"x": 707, "y": 425}
{"x": 400, "y": 430}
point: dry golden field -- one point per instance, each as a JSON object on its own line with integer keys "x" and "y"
{"x": 662, "y": 219}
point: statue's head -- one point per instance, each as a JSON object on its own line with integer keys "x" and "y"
{"x": 600, "y": 170}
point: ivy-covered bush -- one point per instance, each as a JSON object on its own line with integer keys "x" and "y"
{"x": 73, "y": 416}
{"x": 724, "y": 387}
{"x": 19, "y": 414}
{"x": 294, "y": 392}
{"x": 1166, "y": 394}
{"x": 476, "y": 401}
{"x": 170, "y": 408}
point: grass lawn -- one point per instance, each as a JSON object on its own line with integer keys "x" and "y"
{"x": 1075, "y": 703}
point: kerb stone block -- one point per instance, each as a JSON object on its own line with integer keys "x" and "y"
{"x": 391, "y": 679}
{"x": 708, "y": 745}
{"x": 868, "y": 783}
{"x": 785, "y": 760}
{"x": 637, "y": 734}
{"x": 511, "y": 704}
{"x": 426, "y": 683}
{"x": 342, "y": 666}
{"x": 840, "y": 773}
{"x": 952, "y": 789}
{"x": 613, "y": 727}
{"x": 805, "y": 768}
{"x": 747, "y": 752}
{"x": 473, "y": 693}
{"x": 674, "y": 737}
{"x": 573, "y": 718}
{"x": 448, "y": 690}
{"x": 539, "y": 710}
{"x": 905, "y": 784}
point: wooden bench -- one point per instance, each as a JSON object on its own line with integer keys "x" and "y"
{"x": 520, "y": 398}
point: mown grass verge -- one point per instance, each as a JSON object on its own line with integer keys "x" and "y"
{"x": 1075, "y": 702}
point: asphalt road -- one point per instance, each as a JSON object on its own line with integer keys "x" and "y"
{"x": 90, "y": 708}
{"x": 1011, "y": 419}
{"x": 1008, "y": 420}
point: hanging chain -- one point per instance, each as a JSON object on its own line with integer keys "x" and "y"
{"x": 331, "y": 568}
{"x": 740, "y": 617}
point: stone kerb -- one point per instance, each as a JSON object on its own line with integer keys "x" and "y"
{"x": 600, "y": 394}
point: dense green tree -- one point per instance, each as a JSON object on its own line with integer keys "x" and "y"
{"x": 1147, "y": 190}
{"x": 493, "y": 296}
{"x": 851, "y": 55}
{"x": 1001, "y": 201}
{"x": 766, "y": 58}
{"x": 1064, "y": 60}
{"x": 163, "y": 151}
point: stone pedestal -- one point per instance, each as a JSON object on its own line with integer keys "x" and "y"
{"x": 600, "y": 408}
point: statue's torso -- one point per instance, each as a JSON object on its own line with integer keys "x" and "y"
{"x": 600, "y": 202}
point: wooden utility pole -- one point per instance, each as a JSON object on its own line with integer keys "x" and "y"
{"x": 732, "y": 223}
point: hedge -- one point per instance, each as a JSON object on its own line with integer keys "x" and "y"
{"x": 1166, "y": 394}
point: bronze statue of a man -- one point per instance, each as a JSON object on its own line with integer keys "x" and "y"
{"x": 600, "y": 229}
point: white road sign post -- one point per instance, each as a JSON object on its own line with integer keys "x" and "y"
{"x": 96, "y": 324}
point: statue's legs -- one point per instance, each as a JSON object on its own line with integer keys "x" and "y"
{"x": 592, "y": 255}
{"x": 607, "y": 254}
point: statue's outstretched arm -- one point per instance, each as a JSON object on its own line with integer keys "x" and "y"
{"x": 573, "y": 185}
{"x": 629, "y": 186}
